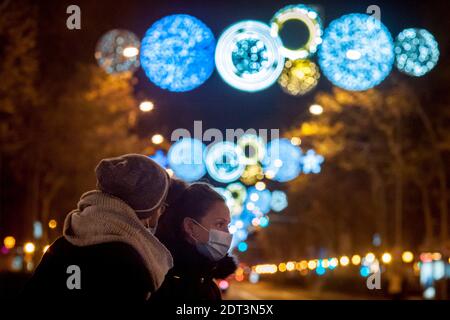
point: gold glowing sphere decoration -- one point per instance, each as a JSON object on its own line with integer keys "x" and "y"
{"x": 299, "y": 77}
{"x": 252, "y": 174}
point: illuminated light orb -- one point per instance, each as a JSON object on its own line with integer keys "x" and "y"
{"x": 311, "y": 162}
{"x": 242, "y": 247}
{"x": 283, "y": 159}
{"x": 248, "y": 57}
{"x": 255, "y": 146}
{"x": 264, "y": 222}
{"x": 117, "y": 51}
{"x": 224, "y": 162}
{"x": 251, "y": 174}
{"x": 310, "y": 18}
{"x": 238, "y": 191}
{"x": 279, "y": 201}
{"x": 320, "y": 271}
{"x": 261, "y": 199}
{"x": 160, "y": 158}
{"x": 364, "y": 271}
{"x": 185, "y": 158}
{"x": 416, "y": 52}
{"x": 177, "y": 53}
{"x": 357, "y": 52}
{"x": 299, "y": 77}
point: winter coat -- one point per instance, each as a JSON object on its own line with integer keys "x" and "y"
{"x": 119, "y": 260}
{"x": 192, "y": 277}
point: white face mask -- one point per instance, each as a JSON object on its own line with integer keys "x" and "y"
{"x": 217, "y": 246}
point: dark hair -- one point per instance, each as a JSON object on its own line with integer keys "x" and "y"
{"x": 184, "y": 200}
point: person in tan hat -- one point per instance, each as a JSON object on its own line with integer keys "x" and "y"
{"x": 108, "y": 251}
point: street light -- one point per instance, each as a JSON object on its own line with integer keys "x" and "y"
{"x": 29, "y": 247}
{"x": 146, "y": 106}
{"x": 344, "y": 261}
{"x": 52, "y": 224}
{"x": 157, "y": 139}
{"x": 407, "y": 257}
{"x": 356, "y": 259}
{"x": 9, "y": 242}
{"x": 316, "y": 109}
{"x": 386, "y": 258}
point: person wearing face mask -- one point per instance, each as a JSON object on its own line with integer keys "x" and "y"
{"x": 109, "y": 240}
{"x": 195, "y": 230}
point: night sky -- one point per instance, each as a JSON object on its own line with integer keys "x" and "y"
{"x": 215, "y": 103}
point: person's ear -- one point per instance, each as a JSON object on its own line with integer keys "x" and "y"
{"x": 188, "y": 226}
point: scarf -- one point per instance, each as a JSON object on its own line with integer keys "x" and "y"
{"x": 102, "y": 218}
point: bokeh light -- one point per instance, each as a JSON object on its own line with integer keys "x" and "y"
{"x": 9, "y": 242}
{"x": 279, "y": 201}
{"x": 357, "y": 52}
{"x": 185, "y": 158}
{"x": 29, "y": 247}
{"x": 407, "y": 257}
{"x": 283, "y": 159}
{"x": 248, "y": 57}
{"x": 310, "y": 18}
{"x": 311, "y": 162}
{"x": 299, "y": 77}
{"x": 242, "y": 247}
{"x": 157, "y": 139}
{"x": 261, "y": 199}
{"x": 224, "y": 162}
{"x": 254, "y": 148}
{"x": 416, "y": 52}
{"x": 251, "y": 174}
{"x": 238, "y": 191}
{"x": 316, "y": 109}
{"x": 177, "y": 53}
{"x": 146, "y": 106}
{"x": 160, "y": 158}
{"x": 114, "y": 51}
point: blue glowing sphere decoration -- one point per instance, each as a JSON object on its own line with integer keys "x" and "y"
{"x": 311, "y": 162}
{"x": 224, "y": 161}
{"x": 279, "y": 201}
{"x": 248, "y": 57}
{"x": 310, "y": 18}
{"x": 117, "y": 51}
{"x": 185, "y": 158}
{"x": 416, "y": 52}
{"x": 357, "y": 52}
{"x": 260, "y": 199}
{"x": 177, "y": 53}
{"x": 282, "y": 161}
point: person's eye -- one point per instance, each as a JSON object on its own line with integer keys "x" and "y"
{"x": 220, "y": 225}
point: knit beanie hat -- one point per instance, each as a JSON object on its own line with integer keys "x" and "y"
{"x": 135, "y": 179}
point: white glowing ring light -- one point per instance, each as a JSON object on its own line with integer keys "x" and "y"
{"x": 257, "y": 145}
{"x": 310, "y": 18}
{"x": 228, "y": 170}
{"x": 228, "y": 46}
